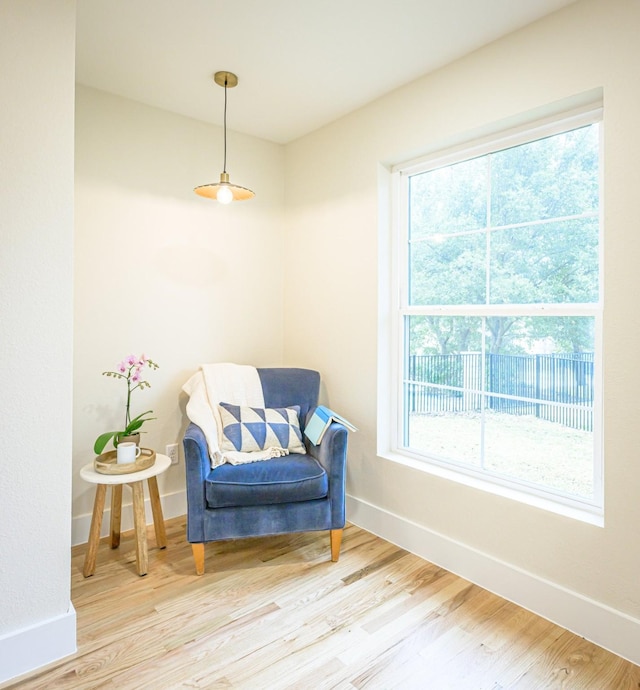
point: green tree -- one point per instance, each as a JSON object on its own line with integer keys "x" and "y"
{"x": 518, "y": 226}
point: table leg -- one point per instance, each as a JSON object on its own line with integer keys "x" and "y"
{"x": 116, "y": 512}
{"x": 94, "y": 532}
{"x": 140, "y": 523}
{"x": 158, "y": 519}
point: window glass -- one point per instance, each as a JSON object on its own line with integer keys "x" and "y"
{"x": 447, "y": 269}
{"x": 554, "y": 262}
{"x": 500, "y": 328}
{"x": 451, "y": 199}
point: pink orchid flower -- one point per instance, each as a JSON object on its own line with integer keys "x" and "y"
{"x": 130, "y": 369}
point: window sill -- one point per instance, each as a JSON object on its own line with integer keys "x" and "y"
{"x": 591, "y": 516}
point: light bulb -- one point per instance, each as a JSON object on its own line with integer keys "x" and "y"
{"x": 224, "y": 195}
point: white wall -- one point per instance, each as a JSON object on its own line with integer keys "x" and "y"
{"x": 163, "y": 271}
{"x": 332, "y": 198}
{"x": 37, "y": 621}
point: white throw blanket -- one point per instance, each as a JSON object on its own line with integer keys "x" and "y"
{"x": 237, "y": 384}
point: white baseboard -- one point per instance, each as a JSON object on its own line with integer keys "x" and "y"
{"x": 173, "y": 505}
{"x": 601, "y": 624}
{"x": 28, "y": 649}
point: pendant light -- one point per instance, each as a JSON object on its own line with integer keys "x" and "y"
{"x": 224, "y": 191}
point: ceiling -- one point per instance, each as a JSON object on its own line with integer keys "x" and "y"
{"x": 300, "y": 63}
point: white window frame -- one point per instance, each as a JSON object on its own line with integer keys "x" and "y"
{"x": 398, "y": 302}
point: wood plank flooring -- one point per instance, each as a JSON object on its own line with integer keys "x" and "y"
{"x": 275, "y": 613}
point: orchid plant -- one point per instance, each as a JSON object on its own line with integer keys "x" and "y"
{"x": 129, "y": 370}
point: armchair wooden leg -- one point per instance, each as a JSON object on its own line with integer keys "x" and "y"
{"x": 198, "y": 557}
{"x": 335, "y": 536}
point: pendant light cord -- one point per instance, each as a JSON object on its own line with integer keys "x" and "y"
{"x": 224, "y": 167}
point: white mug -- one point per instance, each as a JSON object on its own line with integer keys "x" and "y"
{"x": 127, "y": 452}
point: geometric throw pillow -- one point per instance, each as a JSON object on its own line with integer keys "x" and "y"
{"x": 249, "y": 429}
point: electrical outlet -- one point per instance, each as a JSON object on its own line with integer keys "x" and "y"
{"x": 172, "y": 452}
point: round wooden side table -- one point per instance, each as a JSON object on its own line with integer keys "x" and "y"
{"x": 135, "y": 481}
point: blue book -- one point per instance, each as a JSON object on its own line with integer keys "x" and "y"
{"x": 320, "y": 422}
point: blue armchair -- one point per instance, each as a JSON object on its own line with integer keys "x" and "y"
{"x": 295, "y": 493}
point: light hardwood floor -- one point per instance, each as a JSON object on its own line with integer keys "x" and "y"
{"x": 276, "y": 613}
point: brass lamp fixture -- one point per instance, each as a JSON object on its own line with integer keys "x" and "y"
{"x": 224, "y": 191}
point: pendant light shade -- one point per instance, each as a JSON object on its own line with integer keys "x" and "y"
{"x": 224, "y": 191}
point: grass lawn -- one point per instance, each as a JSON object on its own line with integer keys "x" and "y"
{"x": 520, "y": 447}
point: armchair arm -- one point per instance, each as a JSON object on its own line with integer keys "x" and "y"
{"x": 197, "y": 468}
{"x": 332, "y": 455}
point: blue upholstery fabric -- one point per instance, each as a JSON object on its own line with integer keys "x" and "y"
{"x": 297, "y": 493}
{"x": 286, "y": 387}
{"x": 279, "y": 480}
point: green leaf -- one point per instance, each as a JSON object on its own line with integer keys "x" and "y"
{"x": 102, "y": 441}
{"x": 130, "y": 429}
{"x": 137, "y": 422}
